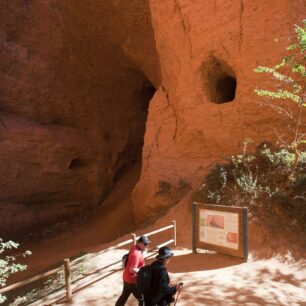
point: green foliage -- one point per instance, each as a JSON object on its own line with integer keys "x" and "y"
{"x": 294, "y": 62}
{"x": 8, "y": 263}
{"x": 254, "y": 178}
{"x": 290, "y": 73}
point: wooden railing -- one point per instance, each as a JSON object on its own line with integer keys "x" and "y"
{"x": 67, "y": 264}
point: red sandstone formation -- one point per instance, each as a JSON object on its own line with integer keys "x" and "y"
{"x": 205, "y": 107}
{"x": 76, "y": 81}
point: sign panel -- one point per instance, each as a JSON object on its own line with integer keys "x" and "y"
{"x": 220, "y": 228}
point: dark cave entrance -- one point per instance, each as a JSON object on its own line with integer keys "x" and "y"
{"x": 139, "y": 97}
{"x": 225, "y": 89}
{"x": 219, "y": 81}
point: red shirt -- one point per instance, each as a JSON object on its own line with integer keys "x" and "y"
{"x": 135, "y": 260}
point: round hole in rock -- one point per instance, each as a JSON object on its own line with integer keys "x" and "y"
{"x": 225, "y": 89}
{"x": 219, "y": 80}
{"x": 76, "y": 163}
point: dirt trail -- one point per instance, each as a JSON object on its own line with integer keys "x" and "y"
{"x": 209, "y": 278}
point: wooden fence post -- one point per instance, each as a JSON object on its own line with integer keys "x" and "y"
{"x": 68, "y": 280}
{"x": 174, "y": 232}
{"x": 194, "y": 238}
{"x": 134, "y": 238}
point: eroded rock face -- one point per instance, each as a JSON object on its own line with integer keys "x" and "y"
{"x": 206, "y": 106}
{"x": 76, "y": 80}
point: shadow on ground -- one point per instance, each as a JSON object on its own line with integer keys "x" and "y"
{"x": 202, "y": 262}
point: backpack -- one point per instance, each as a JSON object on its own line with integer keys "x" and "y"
{"x": 143, "y": 281}
{"x": 124, "y": 260}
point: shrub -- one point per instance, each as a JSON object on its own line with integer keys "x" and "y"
{"x": 8, "y": 265}
{"x": 252, "y": 178}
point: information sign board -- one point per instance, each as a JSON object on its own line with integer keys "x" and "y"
{"x": 220, "y": 228}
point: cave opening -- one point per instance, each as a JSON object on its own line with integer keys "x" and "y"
{"x": 76, "y": 163}
{"x": 219, "y": 81}
{"x": 225, "y": 89}
{"x": 132, "y": 153}
{"x": 90, "y": 131}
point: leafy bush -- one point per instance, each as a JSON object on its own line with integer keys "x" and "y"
{"x": 249, "y": 179}
{"x": 8, "y": 265}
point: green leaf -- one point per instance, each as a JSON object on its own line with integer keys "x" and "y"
{"x": 281, "y": 94}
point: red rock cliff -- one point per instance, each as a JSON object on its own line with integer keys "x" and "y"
{"x": 76, "y": 81}
{"x": 205, "y": 107}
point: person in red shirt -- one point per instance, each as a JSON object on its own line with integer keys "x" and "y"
{"x": 135, "y": 261}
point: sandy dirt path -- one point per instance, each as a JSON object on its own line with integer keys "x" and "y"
{"x": 212, "y": 279}
{"x": 209, "y": 278}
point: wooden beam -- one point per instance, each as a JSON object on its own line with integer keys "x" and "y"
{"x": 30, "y": 280}
{"x": 68, "y": 280}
